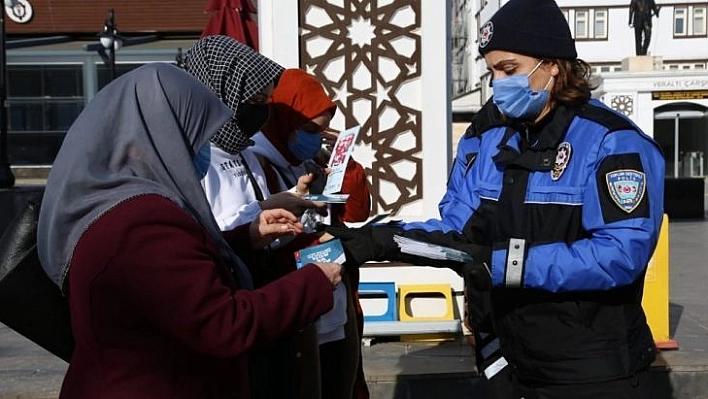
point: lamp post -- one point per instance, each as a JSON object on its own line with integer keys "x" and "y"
{"x": 7, "y": 179}
{"x": 111, "y": 41}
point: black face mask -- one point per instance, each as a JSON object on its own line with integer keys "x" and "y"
{"x": 250, "y": 118}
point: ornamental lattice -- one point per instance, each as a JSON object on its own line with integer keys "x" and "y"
{"x": 623, "y": 104}
{"x": 367, "y": 54}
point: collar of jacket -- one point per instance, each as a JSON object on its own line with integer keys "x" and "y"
{"x": 538, "y": 156}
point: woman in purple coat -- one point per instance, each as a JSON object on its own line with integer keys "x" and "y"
{"x": 161, "y": 306}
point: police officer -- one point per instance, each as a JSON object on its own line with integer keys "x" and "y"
{"x": 559, "y": 200}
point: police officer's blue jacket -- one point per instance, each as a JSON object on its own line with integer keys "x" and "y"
{"x": 571, "y": 210}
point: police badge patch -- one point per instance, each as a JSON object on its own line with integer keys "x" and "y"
{"x": 485, "y": 34}
{"x": 562, "y": 159}
{"x": 626, "y": 188}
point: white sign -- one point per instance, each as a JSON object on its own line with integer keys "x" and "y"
{"x": 19, "y": 11}
{"x": 681, "y": 84}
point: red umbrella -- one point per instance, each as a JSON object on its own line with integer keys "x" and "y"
{"x": 234, "y": 18}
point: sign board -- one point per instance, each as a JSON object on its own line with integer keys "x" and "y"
{"x": 680, "y": 95}
{"x": 19, "y": 11}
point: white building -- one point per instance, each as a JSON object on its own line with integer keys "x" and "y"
{"x": 664, "y": 92}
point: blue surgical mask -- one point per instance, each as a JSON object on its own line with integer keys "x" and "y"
{"x": 515, "y": 99}
{"x": 306, "y": 145}
{"x": 201, "y": 160}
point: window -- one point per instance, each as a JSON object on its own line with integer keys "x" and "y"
{"x": 44, "y": 98}
{"x": 699, "y": 21}
{"x": 600, "y": 24}
{"x": 690, "y": 21}
{"x": 680, "y": 21}
{"x": 602, "y": 69}
{"x": 588, "y": 23}
{"x": 581, "y": 24}
{"x": 461, "y": 81}
{"x": 684, "y": 66}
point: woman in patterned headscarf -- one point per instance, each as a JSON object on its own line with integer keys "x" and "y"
{"x": 242, "y": 78}
{"x": 234, "y": 183}
{"x": 161, "y": 306}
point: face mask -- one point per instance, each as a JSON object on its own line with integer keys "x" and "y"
{"x": 306, "y": 145}
{"x": 250, "y": 118}
{"x": 201, "y": 160}
{"x": 515, "y": 99}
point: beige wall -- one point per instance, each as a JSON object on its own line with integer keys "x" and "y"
{"x": 458, "y": 129}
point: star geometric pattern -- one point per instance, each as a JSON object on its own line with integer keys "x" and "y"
{"x": 367, "y": 54}
{"x": 623, "y": 104}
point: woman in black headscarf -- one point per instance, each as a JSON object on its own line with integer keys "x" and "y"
{"x": 161, "y": 306}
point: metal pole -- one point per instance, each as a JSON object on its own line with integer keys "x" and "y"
{"x": 676, "y": 146}
{"x": 112, "y": 50}
{"x": 112, "y": 55}
{"x": 7, "y": 179}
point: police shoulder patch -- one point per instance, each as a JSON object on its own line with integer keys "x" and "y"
{"x": 626, "y": 187}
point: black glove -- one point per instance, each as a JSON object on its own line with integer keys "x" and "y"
{"x": 367, "y": 243}
{"x": 478, "y": 273}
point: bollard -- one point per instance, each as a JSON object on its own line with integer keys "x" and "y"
{"x": 656, "y": 291}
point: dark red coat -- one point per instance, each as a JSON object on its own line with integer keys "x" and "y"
{"x": 156, "y": 314}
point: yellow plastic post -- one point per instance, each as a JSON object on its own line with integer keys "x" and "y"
{"x": 406, "y": 292}
{"x": 656, "y": 291}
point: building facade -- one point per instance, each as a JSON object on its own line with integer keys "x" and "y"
{"x": 665, "y": 91}
{"x": 49, "y": 84}
{"x": 53, "y": 69}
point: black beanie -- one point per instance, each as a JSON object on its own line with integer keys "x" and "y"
{"x": 535, "y": 28}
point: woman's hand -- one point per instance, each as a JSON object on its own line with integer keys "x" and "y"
{"x": 304, "y": 182}
{"x": 325, "y": 236}
{"x": 333, "y": 271}
{"x": 293, "y": 203}
{"x": 271, "y": 224}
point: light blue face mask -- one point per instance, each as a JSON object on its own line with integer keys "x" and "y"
{"x": 306, "y": 145}
{"x": 515, "y": 99}
{"x": 201, "y": 160}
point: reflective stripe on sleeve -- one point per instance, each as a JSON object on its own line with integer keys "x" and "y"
{"x": 495, "y": 367}
{"x": 515, "y": 262}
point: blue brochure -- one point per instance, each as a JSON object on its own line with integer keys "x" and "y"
{"x": 329, "y": 198}
{"x": 330, "y": 251}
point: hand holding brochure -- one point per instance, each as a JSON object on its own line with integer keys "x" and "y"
{"x": 431, "y": 251}
{"x": 330, "y": 251}
{"x": 328, "y": 198}
{"x": 330, "y": 326}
